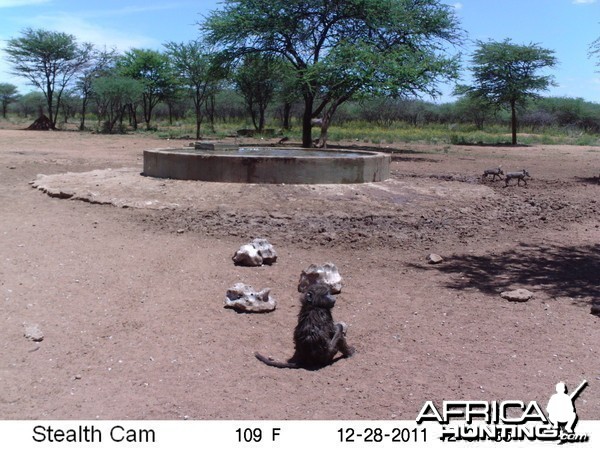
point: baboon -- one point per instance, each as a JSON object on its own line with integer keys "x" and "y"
{"x": 317, "y": 338}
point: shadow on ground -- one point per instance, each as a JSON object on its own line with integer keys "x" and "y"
{"x": 588, "y": 180}
{"x": 560, "y": 271}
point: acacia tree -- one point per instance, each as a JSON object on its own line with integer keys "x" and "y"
{"x": 196, "y": 70}
{"x": 507, "y": 75}
{"x": 101, "y": 64}
{"x": 153, "y": 70}
{"x": 49, "y": 60}
{"x": 256, "y": 79}
{"x": 594, "y": 49}
{"x": 113, "y": 95}
{"x": 342, "y": 49}
{"x": 8, "y": 95}
{"x": 474, "y": 109}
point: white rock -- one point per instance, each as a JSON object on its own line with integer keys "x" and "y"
{"x": 433, "y": 258}
{"x": 243, "y": 298}
{"x": 327, "y": 274}
{"x": 265, "y": 250}
{"x": 34, "y": 333}
{"x": 518, "y": 295}
{"x": 257, "y": 253}
{"x": 247, "y": 255}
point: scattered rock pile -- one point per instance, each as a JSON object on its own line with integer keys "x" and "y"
{"x": 243, "y": 298}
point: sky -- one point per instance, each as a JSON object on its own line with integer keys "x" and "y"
{"x": 567, "y": 27}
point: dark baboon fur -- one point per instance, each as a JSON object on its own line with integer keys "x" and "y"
{"x": 317, "y": 338}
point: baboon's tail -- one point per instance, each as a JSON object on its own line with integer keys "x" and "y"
{"x": 273, "y": 363}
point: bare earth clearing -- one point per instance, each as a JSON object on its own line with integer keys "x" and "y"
{"x": 128, "y": 286}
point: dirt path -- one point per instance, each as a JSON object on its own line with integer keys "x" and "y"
{"x": 129, "y": 298}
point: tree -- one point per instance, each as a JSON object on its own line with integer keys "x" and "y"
{"x": 343, "y": 49}
{"x": 101, "y": 63}
{"x": 69, "y": 105}
{"x": 507, "y": 75}
{"x": 473, "y": 109}
{"x": 256, "y": 79}
{"x": 153, "y": 70}
{"x": 8, "y": 95}
{"x": 113, "y": 95}
{"x": 49, "y": 60}
{"x": 196, "y": 70}
{"x": 32, "y": 103}
{"x": 594, "y": 49}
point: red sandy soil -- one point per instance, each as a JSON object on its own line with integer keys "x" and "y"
{"x": 127, "y": 285}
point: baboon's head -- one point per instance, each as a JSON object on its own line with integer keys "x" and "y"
{"x": 318, "y": 296}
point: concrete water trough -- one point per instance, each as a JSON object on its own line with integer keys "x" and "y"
{"x": 273, "y": 165}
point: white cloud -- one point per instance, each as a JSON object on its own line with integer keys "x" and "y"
{"x": 17, "y": 3}
{"x": 583, "y": 2}
{"x": 86, "y": 31}
{"x": 458, "y": 5}
{"x": 129, "y": 10}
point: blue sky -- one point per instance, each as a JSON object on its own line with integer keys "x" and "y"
{"x": 566, "y": 26}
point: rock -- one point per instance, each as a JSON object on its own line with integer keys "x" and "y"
{"x": 257, "y": 253}
{"x": 243, "y": 298}
{"x": 266, "y": 250}
{"x": 327, "y": 274}
{"x": 518, "y": 295}
{"x": 596, "y": 309}
{"x": 34, "y": 333}
{"x": 434, "y": 258}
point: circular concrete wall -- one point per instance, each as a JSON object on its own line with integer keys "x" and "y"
{"x": 268, "y": 165}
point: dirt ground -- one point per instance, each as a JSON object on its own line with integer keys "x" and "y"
{"x": 126, "y": 275}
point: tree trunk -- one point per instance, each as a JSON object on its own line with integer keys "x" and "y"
{"x": 322, "y": 141}
{"x": 148, "y": 104}
{"x": 287, "y": 110}
{"x": 83, "y": 111}
{"x": 513, "y": 110}
{"x": 133, "y": 116}
{"x": 50, "y": 103}
{"x": 306, "y": 121}
{"x": 197, "y": 98}
{"x": 253, "y": 117}
{"x": 170, "y": 107}
{"x": 326, "y": 121}
{"x": 261, "y": 120}
{"x": 209, "y": 106}
{"x": 198, "y": 111}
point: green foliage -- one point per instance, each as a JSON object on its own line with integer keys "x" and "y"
{"x": 101, "y": 63}
{"x": 49, "y": 60}
{"x": 8, "y": 95}
{"x": 198, "y": 72}
{"x": 256, "y": 79}
{"x": 507, "y": 75}
{"x": 153, "y": 70}
{"x": 342, "y": 49}
{"x": 505, "y": 72}
{"x": 112, "y": 95}
{"x": 31, "y": 103}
